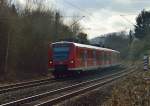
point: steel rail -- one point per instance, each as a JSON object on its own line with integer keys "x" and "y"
{"x": 16, "y": 86}
{"x": 13, "y": 87}
{"x": 42, "y": 95}
{"x": 80, "y": 91}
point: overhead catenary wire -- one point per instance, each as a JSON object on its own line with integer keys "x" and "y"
{"x": 123, "y": 16}
{"x": 89, "y": 14}
{"x": 86, "y": 14}
{"x": 80, "y": 9}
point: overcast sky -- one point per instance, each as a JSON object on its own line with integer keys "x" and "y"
{"x": 101, "y": 16}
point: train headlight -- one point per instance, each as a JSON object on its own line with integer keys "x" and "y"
{"x": 72, "y": 61}
{"x": 50, "y": 62}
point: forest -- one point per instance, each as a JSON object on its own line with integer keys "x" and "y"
{"x": 135, "y": 43}
{"x": 26, "y": 33}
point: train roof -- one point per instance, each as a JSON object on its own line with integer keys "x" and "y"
{"x": 86, "y": 46}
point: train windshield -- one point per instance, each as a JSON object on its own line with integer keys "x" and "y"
{"x": 60, "y": 53}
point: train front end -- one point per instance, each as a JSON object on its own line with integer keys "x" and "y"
{"x": 61, "y": 58}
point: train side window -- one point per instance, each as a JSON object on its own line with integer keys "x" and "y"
{"x": 78, "y": 53}
{"x": 94, "y": 55}
{"x": 89, "y": 55}
{"x": 106, "y": 56}
{"x": 118, "y": 59}
{"x": 85, "y": 55}
{"x": 82, "y": 55}
{"x": 109, "y": 56}
{"x": 113, "y": 57}
{"x": 103, "y": 57}
{"x": 97, "y": 56}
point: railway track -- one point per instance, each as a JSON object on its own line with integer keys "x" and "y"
{"x": 58, "y": 95}
{"x": 17, "y": 86}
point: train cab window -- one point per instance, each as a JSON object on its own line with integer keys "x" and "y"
{"x": 60, "y": 53}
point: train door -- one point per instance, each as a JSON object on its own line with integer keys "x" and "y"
{"x": 102, "y": 58}
{"x": 109, "y": 58}
{"x": 112, "y": 58}
{"x": 94, "y": 58}
{"x": 85, "y": 58}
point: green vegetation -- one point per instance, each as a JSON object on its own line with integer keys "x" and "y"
{"x": 135, "y": 44}
{"x": 118, "y": 41}
{"x": 26, "y": 32}
{"x": 25, "y": 35}
{"x": 142, "y": 27}
{"x": 141, "y": 43}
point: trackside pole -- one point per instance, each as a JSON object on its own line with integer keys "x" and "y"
{"x": 145, "y": 62}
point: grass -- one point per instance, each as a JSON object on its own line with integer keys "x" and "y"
{"x": 133, "y": 90}
{"x": 27, "y": 77}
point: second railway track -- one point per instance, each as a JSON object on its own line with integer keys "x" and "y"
{"x": 58, "y": 95}
{"x": 13, "y": 87}
{"x": 27, "y": 84}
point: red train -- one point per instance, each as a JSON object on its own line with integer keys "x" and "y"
{"x": 66, "y": 58}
